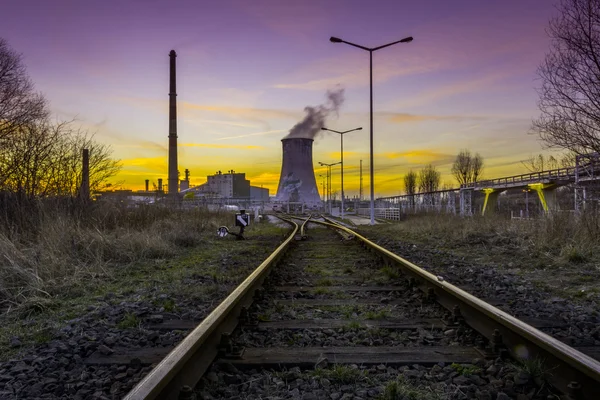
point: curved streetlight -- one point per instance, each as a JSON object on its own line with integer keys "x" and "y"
{"x": 334, "y": 39}
{"x": 328, "y": 181}
{"x": 342, "y": 156}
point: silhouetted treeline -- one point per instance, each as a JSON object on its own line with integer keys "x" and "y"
{"x": 39, "y": 159}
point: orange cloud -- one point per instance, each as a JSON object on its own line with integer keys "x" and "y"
{"x": 418, "y": 155}
{"x": 268, "y": 180}
{"x": 146, "y": 162}
{"x": 336, "y": 155}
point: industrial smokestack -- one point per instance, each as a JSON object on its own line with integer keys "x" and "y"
{"x": 160, "y": 185}
{"x": 173, "y": 175}
{"x": 84, "y": 190}
{"x": 147, "y": 184}
{"x": 297, "y": 181}
{"x": 185, "y": 184}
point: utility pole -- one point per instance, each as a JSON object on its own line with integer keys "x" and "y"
{"x": 329, "y": 181}
{"x": 84, "y": 189}
{"x": 360, "y": 192}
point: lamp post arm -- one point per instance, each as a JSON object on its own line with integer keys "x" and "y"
{"x": 341, "y": 133}
{"x": 405, "y": 40}
{"x": 358, "y": 45}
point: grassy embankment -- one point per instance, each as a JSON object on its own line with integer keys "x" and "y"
{"x": 71, "y": 264}
{"x": 560, "y": 253}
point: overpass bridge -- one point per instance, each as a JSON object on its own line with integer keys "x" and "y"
{"x": 585, "y": 172}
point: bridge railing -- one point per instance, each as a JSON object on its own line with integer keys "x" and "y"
{"x": 559, "y": 173}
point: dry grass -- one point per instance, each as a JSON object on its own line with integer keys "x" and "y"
{"x": 574, "y": 238}
{"x": 64, "y": 248}
{"x": 559, "y": 253}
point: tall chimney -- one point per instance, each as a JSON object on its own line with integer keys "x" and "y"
{"x": 147, "y": 184}
{"x": 84, "y": 191}
{"x": 297, "y": 181}
{"x": 173, "y": 175}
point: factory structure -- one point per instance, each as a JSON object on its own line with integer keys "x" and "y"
{"x": 297, "y": 182}
{"x": 229, "y": 185}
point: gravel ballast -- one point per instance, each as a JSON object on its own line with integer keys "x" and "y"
{"x": 180, "y": 289}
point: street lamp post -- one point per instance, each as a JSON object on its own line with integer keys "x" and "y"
{"x": 328, "y": 181}
{"x": 342, "y": 156}
{"x": 323, "y": 184}
{"x": 371, "y": 50}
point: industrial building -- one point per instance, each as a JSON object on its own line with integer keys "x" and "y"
{"x": 229, "y": 185}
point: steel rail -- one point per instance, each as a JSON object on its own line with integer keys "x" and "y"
{"x": 303, "y": 227}
{"x": 186, "y": 363}
{"x": 572, "y": 371}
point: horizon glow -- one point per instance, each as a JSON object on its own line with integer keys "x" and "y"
{"x": 246, "y": 70}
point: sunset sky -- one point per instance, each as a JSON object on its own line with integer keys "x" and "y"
{"x": 247, "y": 69}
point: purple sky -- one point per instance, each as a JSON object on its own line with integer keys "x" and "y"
{"x": 247, "y": 69}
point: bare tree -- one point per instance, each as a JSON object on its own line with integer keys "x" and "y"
{"x": 410, "y": 182}
{"x": 467, "y": 168}
{"x": 447, "y": 186}
{"x": 540, "y": 163}
{"x": 102, "y": 165}
{"x": 543, "y": 163}
{"x": 44, "y": 159}
{"x": 461, "y": 168}
{"x": 570, "y": 74}
{"x": 429, "y": 179}
{"x": 476, "y": 167}
{"x": 410, "y": 185}
{"x": 19, "y": 104}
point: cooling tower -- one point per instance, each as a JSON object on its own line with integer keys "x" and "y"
{"x": 297, "y": 181}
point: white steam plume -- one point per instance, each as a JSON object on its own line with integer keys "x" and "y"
{"x": 315, "y": 117}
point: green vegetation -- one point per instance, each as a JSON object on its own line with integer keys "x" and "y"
{"x": 321, "y": 290}
{"x": 294, "y": 339}
{"x": 338, "y": 294}
{"x": 317, "y": 270}
{"x": 352, "y": 326}
{"x": 167, "y": 304}
{"x": 536, "y": 368}
{"x": 528, "y": 248}
{"x": 324, "y": 282}
{"x": 129, "y": 321}
{"x": 401, "y": 389}
{"x": 381, "y": 314}
{"x": 574, "y": 254}
{"x": 466, "y": 369}
{"x": 391, "y": 272}
{"x": 38, "y": 310}
{"x": 264, "y": 317}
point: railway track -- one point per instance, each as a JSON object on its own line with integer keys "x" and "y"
{"x": 345, "y": 318}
